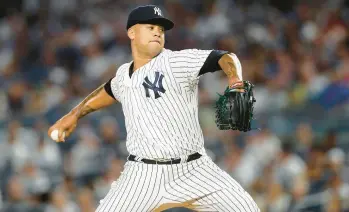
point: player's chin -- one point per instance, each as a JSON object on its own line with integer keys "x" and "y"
{"x": 155, "y": 48}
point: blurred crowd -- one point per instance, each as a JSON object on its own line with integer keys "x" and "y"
{"x": 54, "y": 53}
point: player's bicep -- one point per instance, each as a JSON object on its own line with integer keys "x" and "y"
{"x": 101, "y": 99}
{"x": 96, "y": 100}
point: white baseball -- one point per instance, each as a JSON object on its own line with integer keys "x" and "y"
{"x": 54, "y": 135}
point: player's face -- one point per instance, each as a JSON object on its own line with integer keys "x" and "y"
{"x": 149, "y": 38}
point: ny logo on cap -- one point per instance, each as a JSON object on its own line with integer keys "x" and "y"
{"x": 157, "y": 11}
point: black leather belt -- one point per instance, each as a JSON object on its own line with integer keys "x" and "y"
{"x": 167, "y": 162}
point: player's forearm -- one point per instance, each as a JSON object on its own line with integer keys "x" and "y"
{"x": 231, "y": 66}
{"x": 98, "y": 99}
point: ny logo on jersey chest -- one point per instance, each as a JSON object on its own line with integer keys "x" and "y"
{"x": 156, "y": 86}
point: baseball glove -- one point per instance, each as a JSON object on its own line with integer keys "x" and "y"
{"x": 234, "y": 109}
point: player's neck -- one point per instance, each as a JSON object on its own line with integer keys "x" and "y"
{"x": 139, "y": 59}
{"x": 138, "y": 62}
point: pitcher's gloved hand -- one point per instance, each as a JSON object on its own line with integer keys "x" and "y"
{"x": 234, "y": 109}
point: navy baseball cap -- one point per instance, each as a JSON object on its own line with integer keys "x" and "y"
{"x": 148, "y": 14}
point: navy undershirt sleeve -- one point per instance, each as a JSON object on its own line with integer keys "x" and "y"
{"x": 211, "y": 63}
{"x": 107, "y": 88}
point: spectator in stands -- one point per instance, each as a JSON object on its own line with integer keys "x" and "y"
{"x": 60, "y": 202}
{"x": 290, "y": 174}
{"x": 304, "y": 139}
{"x": 86, "y": 157}
{"x": 16, "y": 196}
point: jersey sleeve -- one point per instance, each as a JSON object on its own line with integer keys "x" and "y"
{"x": 107, "y": 88}
{"x": 192, "y": 63}
{"x": 112, "y": 87}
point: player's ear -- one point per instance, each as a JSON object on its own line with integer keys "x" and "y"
{"x": 131, "y": 33}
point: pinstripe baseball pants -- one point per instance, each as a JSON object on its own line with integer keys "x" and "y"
{"x": 199, "y": 185}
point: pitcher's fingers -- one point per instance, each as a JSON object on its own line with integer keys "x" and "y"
{"x": 238, "y": 90}
{"x": 61, "y": 135}
{"x": 64, "y": 135}
{"x": 237, "y": 85}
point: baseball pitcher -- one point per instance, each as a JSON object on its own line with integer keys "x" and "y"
{"x": 167, "y": 165}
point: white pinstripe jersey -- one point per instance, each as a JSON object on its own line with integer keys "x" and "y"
{"x": 160, "y": 104}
